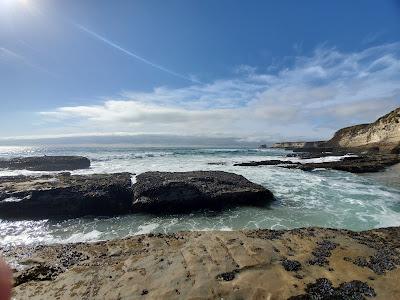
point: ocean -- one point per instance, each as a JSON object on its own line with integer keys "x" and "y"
{"x": 324, "y": 198}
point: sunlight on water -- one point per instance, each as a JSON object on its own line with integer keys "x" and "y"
{"x": 319, "y": 198}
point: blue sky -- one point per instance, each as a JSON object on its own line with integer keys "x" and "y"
{"x": 255, "y": 70}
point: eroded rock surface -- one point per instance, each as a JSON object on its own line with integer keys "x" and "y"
{"x": 258, "y": 264}
{"x": 65, "y": 195}
{"x": 187, "y": 191}
{"x": 46, "y": 163}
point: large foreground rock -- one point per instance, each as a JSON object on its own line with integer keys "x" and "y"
{"x": 46, "y": 163}
{"x": 308, "y": 263}
{"x": 65, "y": 195}
{"x": 186, "y": 191}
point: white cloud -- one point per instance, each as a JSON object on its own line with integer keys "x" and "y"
{"x": 309, "y": 99}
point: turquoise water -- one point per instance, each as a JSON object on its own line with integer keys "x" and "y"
{"x": 319, "y": 198}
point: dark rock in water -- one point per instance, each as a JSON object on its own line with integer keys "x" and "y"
{"x": 272, "y": 162}
{"x": 218, "y": 163}
{"x": 187, "y": 191}
{"x": 46, "y": 163}
{"x": 359, "y": 164}
{"x": 65, "y": 195}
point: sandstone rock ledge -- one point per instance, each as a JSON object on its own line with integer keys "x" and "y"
{"x": 310, "y": 263}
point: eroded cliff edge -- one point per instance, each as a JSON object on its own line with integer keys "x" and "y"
{"x": 383, "y": 135}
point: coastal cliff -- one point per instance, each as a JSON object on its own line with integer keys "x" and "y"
{"x": 383, "y": 135}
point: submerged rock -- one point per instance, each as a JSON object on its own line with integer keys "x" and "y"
{"x": 46, "y": 163}
{"x": 187, "y": 191}
{"x": 65, "y": 195}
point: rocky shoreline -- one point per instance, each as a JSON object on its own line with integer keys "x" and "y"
{"x": 308, "y": 263}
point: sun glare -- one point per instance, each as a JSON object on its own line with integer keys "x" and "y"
{"x": 13, "y": 4}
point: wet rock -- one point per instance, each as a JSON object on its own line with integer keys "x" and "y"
{"x": 37, "y": 273}
{"x": 322, "y": 252}
{"x": 272, "y": 162}
{"x": 160, "y": 192}
{"x": 291, "y": 265}
{"x": 360, "y": 164}
{"x": 46, "y": 163}
{"x": 65, "y": 196}
{"x": 227, "y": 276}
{"x": 323, "y": 289}
{"x": 384, "y": 260}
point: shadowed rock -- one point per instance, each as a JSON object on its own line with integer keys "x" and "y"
{"x": 65, "y": 195}
{"x": 187, "y": 191}
{"x": 46, "y": 163}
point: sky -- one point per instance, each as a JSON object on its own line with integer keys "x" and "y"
{"x": 251, "y": 70}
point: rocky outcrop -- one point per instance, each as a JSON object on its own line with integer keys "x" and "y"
{"x": 46, "y": 163}
{"x": 299, "y": 145}
{"x": 383, "y": 135}
{"x": 65, "y": 195}
{"x": 272, "y": 162}
{"x": 187, "y": 191}
{"x": 359, "y": 164}
{"x": 312, "y": 263}
{"x": 354, "y": 164}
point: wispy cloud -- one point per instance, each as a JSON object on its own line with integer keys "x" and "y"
{"x": 311, "y": 99}
{"x": 7, "y": 55}
{"x": 134, "y": 55}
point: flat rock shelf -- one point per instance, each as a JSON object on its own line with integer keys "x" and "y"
{"x": 311, "y": 263}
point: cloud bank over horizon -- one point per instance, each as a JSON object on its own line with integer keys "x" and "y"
{"x": 311, "y": 99}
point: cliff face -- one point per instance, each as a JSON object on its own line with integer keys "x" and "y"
{"x": 383, "y": 135}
